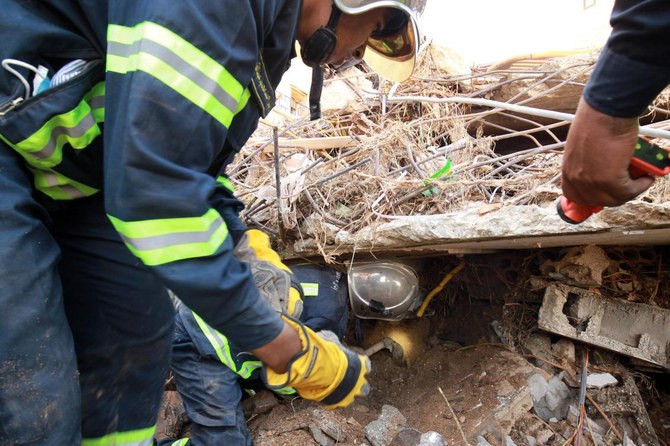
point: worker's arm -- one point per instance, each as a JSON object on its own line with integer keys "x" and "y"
{"x": 633, "y": 68}
{"x": 177, "y": 88}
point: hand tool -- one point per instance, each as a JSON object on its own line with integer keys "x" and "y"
{"x": 649, "y": 159}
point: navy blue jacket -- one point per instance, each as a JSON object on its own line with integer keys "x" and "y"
{"x": 170, "y": 92}
{"x": 634, "y": 66}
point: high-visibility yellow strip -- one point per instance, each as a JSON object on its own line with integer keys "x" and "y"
{"x": 219, "y": 342}
{"x": 96, "y": 100}
{"x": 60, "y": 187}
{"x": 44, "y": 148}
{"x": 225, "y": 182}
{"x": 310, "y": 289}
{"x": 159, "y": 52}
{"x": 161, "y": 241}
{"x": 248, "y": 368}
{"x": 141, "y": 437}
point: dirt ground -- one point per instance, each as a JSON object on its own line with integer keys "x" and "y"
{"x": 464, "y": 379}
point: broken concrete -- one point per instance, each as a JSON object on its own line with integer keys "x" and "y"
{"x": 624, "y": 404}
{"x": 382, "y": 431}
{"x": 511, "y": 227}
{"x": 637, "y": 330}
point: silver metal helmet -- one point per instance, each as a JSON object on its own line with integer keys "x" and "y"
{"x": 391, "y": 52}
{"x": 383, "y": 290}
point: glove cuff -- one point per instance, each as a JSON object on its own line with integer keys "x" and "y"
{"x": 353, "y": 379}
{"x": 274, "y": 380}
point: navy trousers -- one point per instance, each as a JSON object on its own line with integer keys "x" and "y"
{"x": 210, "y": 391}
{"x": 86, "y": 329}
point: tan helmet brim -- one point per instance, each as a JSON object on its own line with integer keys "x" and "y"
{"x": 394, "y": 57}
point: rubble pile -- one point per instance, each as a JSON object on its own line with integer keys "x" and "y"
{"x": 539, "y": 347}
{"x": 438, "y": 144}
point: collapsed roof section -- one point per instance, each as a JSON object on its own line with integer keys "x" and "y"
{"x": 442, "y": 163}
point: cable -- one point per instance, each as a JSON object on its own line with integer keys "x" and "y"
{"x": 6, "y": 65}
{"x": 68, "y": 71}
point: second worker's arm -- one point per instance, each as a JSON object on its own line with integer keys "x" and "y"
{"x": 633, "y": 68}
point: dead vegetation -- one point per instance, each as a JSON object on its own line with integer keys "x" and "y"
{"x": 431, "y": 146}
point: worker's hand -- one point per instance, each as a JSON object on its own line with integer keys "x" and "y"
{"x": 274, "y": 280}
{"x": 323, "y": 371}
{"x": 597, "y": 155}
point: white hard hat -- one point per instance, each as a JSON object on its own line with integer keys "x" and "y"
{"x": 391, "y": 52}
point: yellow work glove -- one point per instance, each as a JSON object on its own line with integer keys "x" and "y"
{"x": 274, "y": 280}
{"x": 324, "y": 370}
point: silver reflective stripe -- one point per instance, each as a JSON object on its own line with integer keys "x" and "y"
{"x": 176, "y": 62}
{"x": 178, "y": 238}
{"x": 97, "y": 102}
{"x": 77, "y": 131}
{"x": 52, "y": 181}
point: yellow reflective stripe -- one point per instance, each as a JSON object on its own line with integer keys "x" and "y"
{"x": 243, "y": 101}
{"x": 140, "y": 437}
{"x": 60, "y": 187}
{"x": 44, "y": 148}
{"x": 161, "y": 241}
{"x": 181, "y": 442}
{"x": 218, "y": 341}
{"x": 225, "y": 182}
{"x": 159, "y": 52}
{"x": 248, "y": 368}
{"x": 310, "y": 289}
{"x": 221, "y": 346}
{"x": 285, "y": 391}
{"x": 96, "y": 100}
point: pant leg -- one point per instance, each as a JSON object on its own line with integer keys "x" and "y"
{"x": 122, "y": 320}
{"x": 39, "y": 390}
{"x": 209, "y": 389}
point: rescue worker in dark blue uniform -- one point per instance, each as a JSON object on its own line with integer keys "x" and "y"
{"x": 213, "y": 375}
{"x": 115, "y": 120}
{"x": 632, "y": 69}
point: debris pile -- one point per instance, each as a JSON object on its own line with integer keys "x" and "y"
{"x": 438, "y": 144}
{"x": 539, "y": 347}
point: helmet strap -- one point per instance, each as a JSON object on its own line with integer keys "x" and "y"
{"x": 321, "y": 44}
{"x": 315, "y": 93}
{"x": 316, "y": 52}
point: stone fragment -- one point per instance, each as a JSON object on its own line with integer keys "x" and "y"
{"x": 432, "y": 439}
{"x": 407, "y": 437}
{"x": 564, "y": 349}
{"x": 320, "y": 437}
{"x": 600, "y": 380}
{"x": 550, "y": 398}
{"x": 481, "y": 441}
{"x": 382, "y": 431}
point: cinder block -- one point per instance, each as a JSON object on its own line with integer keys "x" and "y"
{"x": 637, "y": 330}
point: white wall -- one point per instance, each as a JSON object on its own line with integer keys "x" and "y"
{"x": 485, "y": 31}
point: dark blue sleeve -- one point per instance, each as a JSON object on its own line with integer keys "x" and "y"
{"x": 178, "y": 76}
{"x": 634, "y": 66}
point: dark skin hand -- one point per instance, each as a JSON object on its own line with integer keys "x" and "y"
{"x": 278, "y": 352}
{"x": 596, "y": 159}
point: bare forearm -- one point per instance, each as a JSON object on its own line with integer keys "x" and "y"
{"x": 277, "y": 353}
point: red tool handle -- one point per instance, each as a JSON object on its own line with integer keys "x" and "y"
{"x": 575, "y": 213}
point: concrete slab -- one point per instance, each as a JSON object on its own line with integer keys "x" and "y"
{"x": 637, "y": 330}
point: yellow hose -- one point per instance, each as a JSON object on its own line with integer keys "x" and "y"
{"x": 447, "y": 277}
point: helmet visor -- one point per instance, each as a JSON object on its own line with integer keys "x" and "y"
{"x": 394, "y": 40}
{"x": 391, "y": 52}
